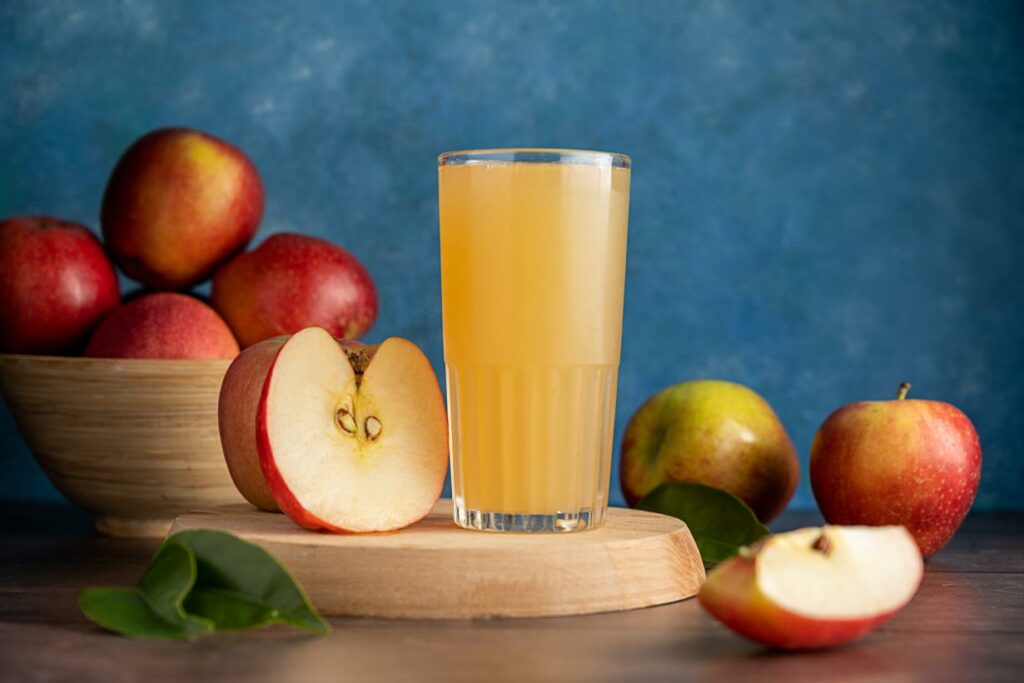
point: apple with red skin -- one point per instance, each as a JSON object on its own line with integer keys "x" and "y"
{"x": 291, "y": 282}
{"x": 909, "y": 461}
{"x": 340, "y": 436}
{"x": 178, "y": 204}
{"x": 56, "y": 283}
{"x": 815, "y": 587}
{"x": 162, "y": 325}
{"x": 238, "y": 407}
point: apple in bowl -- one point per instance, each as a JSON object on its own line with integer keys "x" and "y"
{"x": 56, "y": 284}
{"x": 291, "y": 282}
{"x": 162, "y": 325}
{"x": 339, "y": 436}
{"x": 179, "y": 203}
{"x": 815, "y": 587}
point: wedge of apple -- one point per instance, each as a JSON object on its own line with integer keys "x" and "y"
{"x": 815, "y": 587}
{"x": 347, "y": 437}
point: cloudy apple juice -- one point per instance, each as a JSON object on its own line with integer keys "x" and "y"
{"x": 533, "y": 253}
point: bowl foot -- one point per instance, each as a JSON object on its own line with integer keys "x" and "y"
{"x": 126, "y": 527}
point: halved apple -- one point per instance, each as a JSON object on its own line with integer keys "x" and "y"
{"x": 347, "y": 437}
{"x": 815, "y": 587}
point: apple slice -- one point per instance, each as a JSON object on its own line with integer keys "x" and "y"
{"x": 348, "y": 437}
{"x": 815, "y": 587}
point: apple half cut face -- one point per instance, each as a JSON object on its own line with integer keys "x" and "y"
{"x": 815, "y": 587}
{"x": 352, "y": 438}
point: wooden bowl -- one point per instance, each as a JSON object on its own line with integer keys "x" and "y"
{"x": 135, "y": 442}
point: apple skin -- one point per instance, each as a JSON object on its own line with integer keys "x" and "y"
{"x": 711, "y": 432}
{"x": 178, "y": 204}
{"x": 56, "y": 284}
{"x": 732, "y": 595}
{"x": 291, "y": 282}
{"x": 914, "y": 463}
{"x": 162, "y": 325}
{"x": 239, "y": 402}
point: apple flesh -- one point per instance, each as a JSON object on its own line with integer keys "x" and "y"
{"x": 911, "y": 462}
{"x": 711, "y": 432}
{"x": 347, "y": 437}
{"x": 162, "y": 325}
{"x": 56, "y": 284}
{"x": 815, "y": 587}
{"x": 178, "y": 204}
{"x": 291, "y": 282}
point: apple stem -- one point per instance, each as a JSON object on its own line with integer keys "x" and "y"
{"x": 902, "y": 393}
{"x": 360, "y": 359}
{"x": 823, "y": 544}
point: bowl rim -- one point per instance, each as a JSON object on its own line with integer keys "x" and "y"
{"x": 41, "y": 358}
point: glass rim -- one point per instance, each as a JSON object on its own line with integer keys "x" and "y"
{"x": 533, "y": 155}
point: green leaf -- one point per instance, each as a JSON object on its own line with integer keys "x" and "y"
{"x": 228, "y": 610}
{"x": 227, "y": 563}
{"x": 124, "y": 611}
{"x": 199, "y": 582}
{"x": 172, "y": 573}
{"x": 154, "y": 608}
{"x": 720, "y": 522}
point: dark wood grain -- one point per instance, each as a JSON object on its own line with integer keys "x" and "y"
{"x": 967, "y": 623}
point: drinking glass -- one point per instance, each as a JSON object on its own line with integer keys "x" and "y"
{"x": 533, "y": 259}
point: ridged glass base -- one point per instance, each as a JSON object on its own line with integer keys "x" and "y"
{"x": 560, "y": 522}
{"x": 531, "y": 445}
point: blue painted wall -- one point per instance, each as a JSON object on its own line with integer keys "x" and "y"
{"x": 827, "y": 196}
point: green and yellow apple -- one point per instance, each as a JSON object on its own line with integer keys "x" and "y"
{"x": 711, "y": 432}
{"x": 815, "y": 587}
{"x": 910, "y": 462}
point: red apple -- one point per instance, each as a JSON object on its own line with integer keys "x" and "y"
{"x": 815, "y": 587}
{"x": 178, "y": 204}
{"x": 162, "y": 325}
{"x": 56, "y": 283}
{"x": 711, "y": 432}
{"x": 348, "y": 438}
{"x": 291, "y": 282}
{"x": 910, "y": 462}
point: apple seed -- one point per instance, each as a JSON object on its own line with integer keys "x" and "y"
{"x": 346, "y": 420}
{"x": 372, "y": 426}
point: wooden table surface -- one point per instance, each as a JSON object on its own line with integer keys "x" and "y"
{"x": 966, "y": 623}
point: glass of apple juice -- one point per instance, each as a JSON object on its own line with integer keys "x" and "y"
{"x": 533, "y": 260}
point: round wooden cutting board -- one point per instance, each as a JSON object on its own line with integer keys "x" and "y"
{"x": 435, "y": 570}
